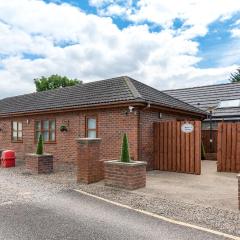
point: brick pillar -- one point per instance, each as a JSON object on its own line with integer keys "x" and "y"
{"x": 90, "y": 168}
{"x": 238, "y": 176}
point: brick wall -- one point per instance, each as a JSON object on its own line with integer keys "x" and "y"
{"x": 112, "y": 124}
{"x": 38, "y": 164}
{"x": 90, "y": 168}
{"x": 65, "y": 141}
{"x": 125, "y": 175}
{"x": 147, "y": 118}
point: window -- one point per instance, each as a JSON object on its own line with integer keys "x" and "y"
{"x": 91, "y": 127}
{"x": 229, "y": 103}
{"x": 17, "y": 133}
{"x": 48, "y": 130}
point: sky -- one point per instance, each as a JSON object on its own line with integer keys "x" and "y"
{"x": 165, "y": 44}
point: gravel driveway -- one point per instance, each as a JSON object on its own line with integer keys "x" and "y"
{"x": 21, "y": 187}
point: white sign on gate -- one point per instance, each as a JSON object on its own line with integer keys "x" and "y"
{"x": 187, "y": 128}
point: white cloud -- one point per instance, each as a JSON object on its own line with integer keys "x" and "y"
{"x": 195, "y": 14}
{"x": 236, "y": 32}
{"x": 99, "y": 49}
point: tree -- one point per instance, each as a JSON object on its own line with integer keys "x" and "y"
{"x": 40, "y": 145}
{"x": 53, "y": 82}
{"x": 125, "y": 156}
{"x": 235, "y": 77}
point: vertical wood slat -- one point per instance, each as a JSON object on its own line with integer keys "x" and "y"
{"x": 237, "y": 163}
{"x": 156, "y": 146}
{"x": 161, "y": 156}
{"x": 197, "y": 147}
{"x": 165, "y": 155}
{"x": 174, "y": 146}
{"x": 183, "y": 142}
{"x": 233, "y": 150}
{"x": 219, "y": 147}
{"x": 229, "y": 147}
{"x": 169, "y": 146}
{"x": 187, "y": 152}
{"x": 224, "y": 143}
{"x": 228, "y": 151}
{"x": 192, "y": 151}
{"x": 178, "y": 146}
{"x": 177, "y": 151}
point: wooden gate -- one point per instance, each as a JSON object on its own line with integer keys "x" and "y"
{"x": 175, "y": 150}
{"x": 210, "y": 150}
{"x": 228, "y": 154}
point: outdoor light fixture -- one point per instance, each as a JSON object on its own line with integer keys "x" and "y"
{"x": 131, "y": 109}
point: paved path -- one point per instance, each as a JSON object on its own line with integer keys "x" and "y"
{"x": 32, "y": 209}
{"x": 71, "y": 215}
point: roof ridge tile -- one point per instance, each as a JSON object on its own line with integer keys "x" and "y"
{"x": 132, "y": 88}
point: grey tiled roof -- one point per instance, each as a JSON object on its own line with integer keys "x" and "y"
{"x": 95, "y": 93}
{"x": 209, "y": 96}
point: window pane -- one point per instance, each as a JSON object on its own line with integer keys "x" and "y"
{"x": 38, "y": 125}
{"x": 92, "y": 134}
{"x": 15, "y": 126}
{"x": 37, "y": 135}
{"x": 52, "y": 136}
{"x": 19, "y": 135}
{"x": 52, "y": 125}
{"x": 91, "y": 123}
{"x": 14, "y": 135}
{"x": 46, "y": 136}
{"x": 19, "y": 126}
{"x": 45, "y": 125}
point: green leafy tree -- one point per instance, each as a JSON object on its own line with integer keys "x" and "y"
{"x": 125, "y": 156}
{"x": 53, "y": 82}
{"x": 235, "y": 77}
{"x": 40, "y": 145}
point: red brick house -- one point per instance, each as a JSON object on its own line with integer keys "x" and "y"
{"x": 104, "y": 109}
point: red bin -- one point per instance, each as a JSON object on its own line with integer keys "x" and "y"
{"x": 8, "y": 158}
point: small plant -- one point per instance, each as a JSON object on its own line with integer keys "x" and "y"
{"x": 125, "y": 156}
{"x": 203, "y": 153}
{"x": 40, "y": 145}
{"x": 63, "y": 128}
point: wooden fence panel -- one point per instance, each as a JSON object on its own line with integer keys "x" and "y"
{"x": 175, "y": 150}
{"x": 228, "y": 151}
{"x": 206, "y": 140}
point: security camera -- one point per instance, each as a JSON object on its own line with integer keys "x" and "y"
{"x": 130, "y": 108}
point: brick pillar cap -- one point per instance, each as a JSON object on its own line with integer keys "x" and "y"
{"x": 126, "y": 164}
{"x": 38, "y": 155}
{"x": 88, "y": 140}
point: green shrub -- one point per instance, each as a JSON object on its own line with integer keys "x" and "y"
{"x": 125, "y": 156}
{"x": 40, "y": 145}
{"x": 203, "y": 152}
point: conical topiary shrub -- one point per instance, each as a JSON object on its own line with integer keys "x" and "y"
{"x": 40, "y": 145}
{"x": 125, "y": 156}
{"x": 203, "y": 152}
